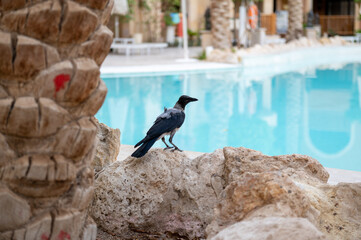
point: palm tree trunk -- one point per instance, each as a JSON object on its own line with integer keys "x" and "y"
{"x": 50, "y": 89}
{"x": 220, "y": 16}
{"x": 295, "y": 20}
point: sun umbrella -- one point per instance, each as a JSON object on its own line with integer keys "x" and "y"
{"x": 120, "y": 8}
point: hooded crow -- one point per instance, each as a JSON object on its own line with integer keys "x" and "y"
{"x": 168, "y": 123}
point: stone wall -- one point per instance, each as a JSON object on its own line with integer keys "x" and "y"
{"x": 50, "y": 89}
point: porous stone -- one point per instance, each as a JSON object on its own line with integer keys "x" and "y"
{"x": 24, "y": 117}
{"x": 339, "y": 207}
{"x": 298, "y": 167}
{"x": 259, "y": 195}
{"x": 43, "y": 21}
{"x": 14, "y": 211}
{"x": 271, "y": 228}
{"x": 79, "y": 22}
{"x": 28, "y": 48}
{"x": 6, "y": 66}
{"x": 108, "y": 145}
{"x": 163, "y": 192}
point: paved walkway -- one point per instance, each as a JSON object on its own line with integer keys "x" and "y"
{"x": 167, "y": 56}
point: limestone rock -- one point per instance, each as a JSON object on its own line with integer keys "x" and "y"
{"x": 166, "y": 194}
{"x": 340, "y": 209}
{"x": 298, "y": 167}
{"x": 259, "y": 195}
{"x": 161, "y": 193}
{"x": 107, "y": 148}
{"x": 271, "y": 228}
{"x": 14, "y": 211}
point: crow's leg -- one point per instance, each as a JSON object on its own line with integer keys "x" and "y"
{"x": 175, "y": 147}
{"x": 168, "y": 147}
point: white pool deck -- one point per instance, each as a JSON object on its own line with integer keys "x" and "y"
{"x": 171, "y": 60}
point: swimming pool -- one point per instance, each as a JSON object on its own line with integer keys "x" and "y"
{"x": 315, "y": 111}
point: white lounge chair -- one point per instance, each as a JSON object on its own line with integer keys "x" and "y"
{"x": 146, "y": 47}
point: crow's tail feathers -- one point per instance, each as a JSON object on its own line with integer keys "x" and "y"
{"x": 142, "y": 150}
{"x": 142, "y": 141}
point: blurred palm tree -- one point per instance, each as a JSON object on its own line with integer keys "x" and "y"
{"x": 220, "y": 17}
{"x": 295, "y": 20}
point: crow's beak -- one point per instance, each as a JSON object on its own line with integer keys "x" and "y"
{"x": 192, "y": 99}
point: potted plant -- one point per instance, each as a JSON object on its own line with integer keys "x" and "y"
{"x": 358, "y": 32}
{"x": 170, "y": 8}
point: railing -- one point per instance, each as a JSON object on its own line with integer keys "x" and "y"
{"x": 337, "y": 24}
{"x": 268, "y": 21}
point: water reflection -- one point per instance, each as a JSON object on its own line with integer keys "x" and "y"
{"x": 316, "y": 112}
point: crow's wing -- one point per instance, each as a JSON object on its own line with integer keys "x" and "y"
{"x": 166, "y": 122}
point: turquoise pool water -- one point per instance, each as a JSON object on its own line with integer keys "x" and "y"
{"x": 315, "y": 112}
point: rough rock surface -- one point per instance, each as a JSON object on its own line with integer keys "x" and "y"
{"x": 271, "y": 228}
{"x": 161, "y": 193}
{"x": 107, "y": 146}
{"x": 50, "y": 88}
{"x": 166, "y": 194}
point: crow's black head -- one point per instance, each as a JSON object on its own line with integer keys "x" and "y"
{"x": 184, "y": 100}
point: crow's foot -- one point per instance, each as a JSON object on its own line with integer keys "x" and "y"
{"x": 166, "y": 148}
{"x": 177, "y": 149}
